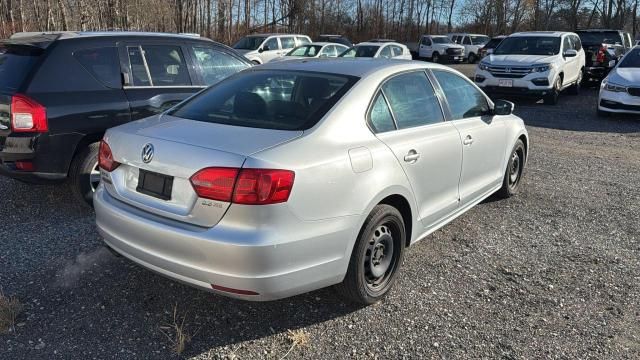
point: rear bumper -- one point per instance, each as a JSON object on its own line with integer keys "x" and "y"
{"x": 274, "y": 260}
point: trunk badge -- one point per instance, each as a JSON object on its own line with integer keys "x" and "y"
{"x": 147, "y": 153}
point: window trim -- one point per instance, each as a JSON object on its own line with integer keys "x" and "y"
{"x": 379, "y": 89}
{"x": 449, "y": 114}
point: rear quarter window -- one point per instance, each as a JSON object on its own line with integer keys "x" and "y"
{"x": 102, "y": 63}
{"x": 16, "y": 61}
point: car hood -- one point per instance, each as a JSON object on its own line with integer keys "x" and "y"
{"x": 522, "y": 60}
{"x": 625, "y": 76}
{"x": 451, "y": 46}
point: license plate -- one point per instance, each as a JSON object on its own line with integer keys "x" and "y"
{"x": 154, "y": 184}
{"x": 456, "y": 58}
{"x": 505, "y": 83}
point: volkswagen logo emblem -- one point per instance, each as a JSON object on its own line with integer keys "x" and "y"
{"x": 147, "y": 153}
{"x": 508, "y": 69}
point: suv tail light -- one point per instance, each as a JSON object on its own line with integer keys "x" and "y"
{"x": 601, "y": 54}
{"x": 244, "y": 186}
{"x": 27, "y": 115}
{"x": 105, "y": 157}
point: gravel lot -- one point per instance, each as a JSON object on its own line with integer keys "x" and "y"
{"x": 551, "y": 273}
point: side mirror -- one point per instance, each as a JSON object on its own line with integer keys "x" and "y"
{"x": 264, "y": 48}
{"x": 570, "y": 53}
{"x": 503, "y": 107}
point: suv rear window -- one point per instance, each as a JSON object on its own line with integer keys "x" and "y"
{"x": 15, "y": 63}
{"x": 279, "y": 100}
{"x": 102, "y": 63}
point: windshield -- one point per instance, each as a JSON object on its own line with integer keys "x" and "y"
{"x": 600, "y": 37}
{"x": 441, "y": 40}
{"x": 631, "y": 60}
{"x": 361, "y": 51}
{"x": 268, "y": 99}
{"x": 15, "y": 63}
{"x": 479, "y": 39}
{"x": 529, "y": 45}
{"x": 306, "y": 51}
{"x": 249, "y": 43}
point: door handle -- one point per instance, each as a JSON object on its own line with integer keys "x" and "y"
{"x": 412, "y": 156}
{"x": 468, "y": 140}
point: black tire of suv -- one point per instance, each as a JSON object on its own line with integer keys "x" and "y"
{"x": 510, "y": 186}
{"x": 435, "y": 57}
{"x": 354, "y": 287}
{"x": 552, "y": 98}
{"x": 472, "y": 58}
{"x": 575, "y": 88}
{"x": 80, "y": 171}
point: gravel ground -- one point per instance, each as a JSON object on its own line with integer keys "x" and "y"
{"x": 551, "y": 273}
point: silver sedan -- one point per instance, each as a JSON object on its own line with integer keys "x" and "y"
{"x": 299, "y": 175}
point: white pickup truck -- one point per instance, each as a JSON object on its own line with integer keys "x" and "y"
{"x": 438, "y": 48}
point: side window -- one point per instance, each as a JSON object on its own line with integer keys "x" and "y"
{"x": 412, "y": 100}
{"x": 137, "y": 67}
{"x": 577, "y": 44}
{"x": 271, "y": 44}
{"x": 380, "y": 117}
{"x": 216, "y": 65}
{"x": 456, "y": 39}
{"x": 302, "y": 40}
{"x": 102, "y": 63}
{"x": 386, "y": 52}
{"x": 166, "y": 65}
{"x": 288, "y": 42}
{"x": 397, "y": 51}
{"x": 464, "y": 99}
{"x": 426, "y": 41}
{"x": 466, "y": 41}
{"x": 566, "y": 44}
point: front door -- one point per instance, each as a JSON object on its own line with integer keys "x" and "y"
{"x": 157, "y": 75}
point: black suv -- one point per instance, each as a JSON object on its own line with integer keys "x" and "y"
{"x": 602, "y": 48}
{"x": 59, "y": 92}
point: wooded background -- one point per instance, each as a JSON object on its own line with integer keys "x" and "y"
{"x": 403, "y": 20}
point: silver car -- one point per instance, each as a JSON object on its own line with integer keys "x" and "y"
{"x": 303, "y": 174}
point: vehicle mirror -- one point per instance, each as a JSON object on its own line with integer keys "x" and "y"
{"x": 570, "y": 53}
{"x": 503, "y": 107}
{"x": 264, "y": 48}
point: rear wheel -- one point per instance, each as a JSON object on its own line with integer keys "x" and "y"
{"x": 376, "y": 257}
{"x": 575, "y": 88}
{"x": 514, "y": 170}
{"x": 84, "y": 174}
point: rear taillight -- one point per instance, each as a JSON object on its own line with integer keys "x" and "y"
{"x": 244, "y": 186}
{"x": 601, "y": 54}
{"x": 105, "y": 158}
{"x": 27, "y": 115}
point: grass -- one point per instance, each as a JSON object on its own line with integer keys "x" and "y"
{"x": 176, "y": 332}
{"x": 296, "y": 338}
{"x": 10, "y": 308}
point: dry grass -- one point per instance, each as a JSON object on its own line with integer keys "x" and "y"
{"x": 296, "y": 338}
{"x": 176, "y": 332}
{"x": 10, "y": 308}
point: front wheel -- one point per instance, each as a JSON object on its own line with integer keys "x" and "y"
{"x": 513, "y": 173}
{"x": 552, "y": 98}
{"x": 472, "y": 58}
{"x": 435, "y": 58}
{"x": 376, "y": 257}
{"x": 84, "y": 174}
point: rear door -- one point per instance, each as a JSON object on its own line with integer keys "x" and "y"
{"x": 157, "y": 75}
{"x": 407, "y": 116}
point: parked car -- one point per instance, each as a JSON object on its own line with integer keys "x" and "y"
{"x": 472, "y": 44}
{"x": 603, "y": 49}
{"x": 60, "y": 91}
{"x": 262, "y": 48}
{"x": 620, "y": 90}
{"x": 490, "y": 46}
{"x": 389, "y": 50}
{"x": 539, "y": 64}
{"x": 298, "y": 175}
{"x": 313, "y": 50}
{"x": 338, "y": 39}
{"x": 437, "y": 48}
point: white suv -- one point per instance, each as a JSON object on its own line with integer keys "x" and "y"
{"x": 538, "y": 63}
{"x": 262, "y": 48}
{"x": 472, "y": 44}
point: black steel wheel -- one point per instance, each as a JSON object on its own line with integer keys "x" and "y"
{"x": 513, "y": 173}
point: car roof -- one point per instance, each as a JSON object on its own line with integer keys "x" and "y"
{"x": 323, "y": 43}
{"x": 348, "y": 66}
{"x": 275, "y": 34}
{"x": 540, "y": 33}
{"x": 62, "y": 35}
{"x": 467, "y": 34}
{"x": 435, "y": 35}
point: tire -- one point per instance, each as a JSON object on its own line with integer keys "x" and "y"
{"x": 575, "y": 88}
{"x": 83, "y": 174}
{"x": 552, "y": 99}
{"x": 372, "y": 270}
{"x": 472, "y": 58}
{"x": 514, "y": 171}
{"x": 435, "y": 57}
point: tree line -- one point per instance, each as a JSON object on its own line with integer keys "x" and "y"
{"x": 404, "y": 20}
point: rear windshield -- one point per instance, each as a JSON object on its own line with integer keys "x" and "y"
{"x": 361, "y": 51}
{"x": 529, "y": 45}
{"x": 631, "y": 60}
{"x": 600, "y": 37}
{"x": 15, "y": 63}
{"x": 268, "y": 99}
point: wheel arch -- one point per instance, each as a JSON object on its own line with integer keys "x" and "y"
{"x": 404, "y": 207}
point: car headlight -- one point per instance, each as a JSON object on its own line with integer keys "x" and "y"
{"x": 541, "y": 67}
{"x": 483, "y": 66}
{"x": 609, "y": 86}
